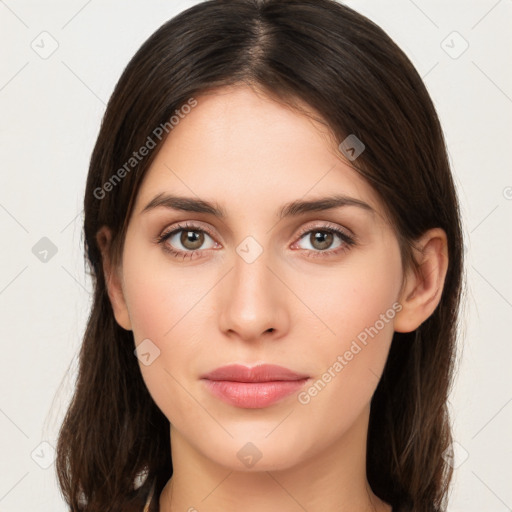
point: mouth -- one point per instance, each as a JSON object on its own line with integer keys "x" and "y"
{"x": 253, "y": 388}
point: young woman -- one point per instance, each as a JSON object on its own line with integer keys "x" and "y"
{"x": 274, "y": 239}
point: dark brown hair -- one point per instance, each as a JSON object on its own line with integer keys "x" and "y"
{"x": 339, "y": 63}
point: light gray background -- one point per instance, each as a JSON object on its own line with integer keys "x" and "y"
{"x": 50, "y": 115}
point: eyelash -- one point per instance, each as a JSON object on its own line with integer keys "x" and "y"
{"x": 348, "y": 240}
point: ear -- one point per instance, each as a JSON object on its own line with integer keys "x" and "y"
{"x": 423, "y": 286}
{"x": 113, "y": 279}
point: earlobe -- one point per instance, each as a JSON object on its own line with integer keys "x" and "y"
{"x": 113, "y": 280}
{"x": 423, "y": 286}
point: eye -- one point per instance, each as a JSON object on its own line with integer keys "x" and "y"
{"x": 324, "y": 240}
{"x": 186, "y": 240}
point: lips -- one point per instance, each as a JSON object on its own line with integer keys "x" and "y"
{"x": 253, "y": 388}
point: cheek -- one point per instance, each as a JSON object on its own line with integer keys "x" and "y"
{"x": 160, "y": 299}
{"x": 347, "y": 301}
{"x": 359, "y": 307}
{"x": 164, "y": 307}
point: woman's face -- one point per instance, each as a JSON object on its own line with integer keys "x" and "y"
{"x": 265, "y": 283}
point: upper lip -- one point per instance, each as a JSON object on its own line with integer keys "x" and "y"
{"x": 259, "y": 373}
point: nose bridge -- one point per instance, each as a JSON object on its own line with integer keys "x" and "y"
{"x": 252, "y": 303}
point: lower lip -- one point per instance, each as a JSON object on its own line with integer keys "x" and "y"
{"x": 253, "y": 395}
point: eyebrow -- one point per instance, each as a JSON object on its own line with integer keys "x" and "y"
{"x": 292, "y": 209}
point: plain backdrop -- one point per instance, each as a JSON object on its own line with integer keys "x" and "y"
{"x": 60, "y": 62}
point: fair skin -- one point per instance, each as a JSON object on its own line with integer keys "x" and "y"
{"x": 250, "y": 155}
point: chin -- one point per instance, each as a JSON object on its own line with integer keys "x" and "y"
{"x": 253, "y": 453}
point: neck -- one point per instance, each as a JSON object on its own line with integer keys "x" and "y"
{"x": 330, "y": 481}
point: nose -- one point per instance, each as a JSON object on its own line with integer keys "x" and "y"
{"x": 253, "y": 301}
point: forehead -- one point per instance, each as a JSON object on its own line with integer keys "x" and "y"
{"x": 249, "y": 151}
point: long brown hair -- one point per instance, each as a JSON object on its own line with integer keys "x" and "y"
{"x": 339, "y": 63}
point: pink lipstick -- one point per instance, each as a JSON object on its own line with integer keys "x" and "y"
{"x": 253, "y": 388}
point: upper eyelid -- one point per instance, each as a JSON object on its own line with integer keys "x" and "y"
{"x": 327, "y": 226}
{"x": 195, "y": 226}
